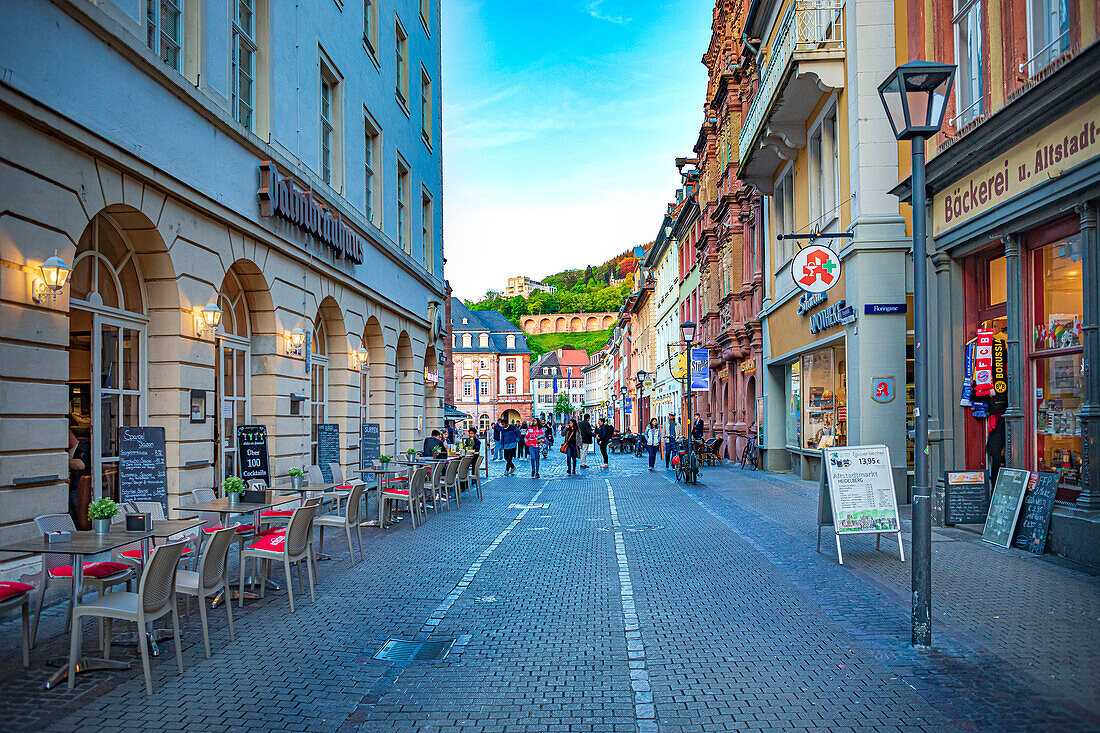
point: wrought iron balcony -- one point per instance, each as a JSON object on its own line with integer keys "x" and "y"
{"x": 810, "y": 29}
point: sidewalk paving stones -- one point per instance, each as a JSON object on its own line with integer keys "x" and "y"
{"x": 684, "y": 608}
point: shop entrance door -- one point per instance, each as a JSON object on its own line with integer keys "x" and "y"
{"x": 232, "y": 403}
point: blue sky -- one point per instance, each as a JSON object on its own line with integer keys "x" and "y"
{"x": 561, "y": 123}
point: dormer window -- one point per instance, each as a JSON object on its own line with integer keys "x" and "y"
{"x": 483, "y": 340}
{"x": 466, "y": 341}
{"x": 465, "y": 321}
{"x": 511, "y": 342}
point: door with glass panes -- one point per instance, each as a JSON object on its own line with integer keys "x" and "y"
{"x": 232, "y": 386}
{"x": 117, "y": 401}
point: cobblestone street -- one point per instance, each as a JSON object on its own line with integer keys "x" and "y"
{"x": 616, "y": 601}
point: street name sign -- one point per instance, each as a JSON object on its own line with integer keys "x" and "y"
{"x": 857, "y": 494}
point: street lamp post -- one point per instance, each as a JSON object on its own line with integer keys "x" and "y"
{"x": 915, "y": 97}
{"x": 687, "y": 332}
{"x": 641, "y": 375}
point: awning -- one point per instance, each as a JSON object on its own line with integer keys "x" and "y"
{"x": 450, "y": 412}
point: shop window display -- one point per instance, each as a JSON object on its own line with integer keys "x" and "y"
{"x": 824, "y": 400}
{"x": 794, "y": 404}
{"x": 1057, "y": 361}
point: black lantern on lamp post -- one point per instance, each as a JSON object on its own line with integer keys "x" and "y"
{"x": 640, "y": 376}
{"x": 915, "y": 97}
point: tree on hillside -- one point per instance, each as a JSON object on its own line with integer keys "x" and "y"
{"x": 563, "y": 406}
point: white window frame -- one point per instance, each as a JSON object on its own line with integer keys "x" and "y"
{"x": 1046, "y": 39}
{"x": 155, "y": 35}
{"x": 783, "y": 217}
{"x": 372, "y": 170}
{"x": 483, "y": 341}
{"x": 427, "y": 229}
{"x": 823, "y": 168}
{"x": 370, "y": 28}
{"x": 403, "y": 173}
{"x": 427, "y": 116}
{"x": 466, "y": 342}
{"x": 401, "y": 64}
{"x": 244, "y": 41}
{"x": 967, "y": 25}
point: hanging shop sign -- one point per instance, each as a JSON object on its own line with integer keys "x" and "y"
{"x": 431, "y": 376}
{"x": 282, "y": 197}
{"x": 983, "y": 363}
{"x": 807, "y": 302}
{"x": 700, "y": 370}
{"x": 827, "y": 318}
{"x": 816, "y": 268}
{"x": 1047, "y": 154}
{"x": 882, "y": 389}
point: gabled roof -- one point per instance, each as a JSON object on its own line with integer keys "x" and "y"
{"x": 493, "y": 324}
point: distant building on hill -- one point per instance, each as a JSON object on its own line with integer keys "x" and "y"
{"x": 523, "y": 286}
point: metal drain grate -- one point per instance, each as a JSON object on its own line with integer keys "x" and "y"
{"x": 403, "y": 650}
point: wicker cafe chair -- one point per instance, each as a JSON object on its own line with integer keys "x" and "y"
{"x": 13, "y": 595}
{"x": 450, "y": 482}
{"x": 211, "y": 578}
{"x": 293, "y": 547}
{"x": 352, "y": 517}
{"x": 156, "y": 597}
{"x": 475, "y": 475}
{"x": 413, "y": 494}
{"x": 99, "y": 576}
{"x": 245, "y": 532}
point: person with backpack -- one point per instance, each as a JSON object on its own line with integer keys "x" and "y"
{"x": 509, "y": 440}
{"x": 586, "y": 437}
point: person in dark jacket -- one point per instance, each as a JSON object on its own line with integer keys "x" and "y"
{"x": 509, "y": 440}
{"x": 498, "y": 453}
{"x": 670, "y": 439}
{"x": 603, "y": 438}
{"x": 433, "y": 444}
{"x": 697, "y": 430}
{"x": 586, "y": 438}
{"x": 571, "y": 436}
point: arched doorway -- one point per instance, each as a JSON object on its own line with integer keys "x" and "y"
{"x": 404, "y": 396}
{"x": 107, "y": 381}
{"x": 512, "y": 416}
{"x": 318, "y": 383}
{"x": 372, "y": 376}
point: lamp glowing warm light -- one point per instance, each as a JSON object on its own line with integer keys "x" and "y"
{"x": 361, "y": 356}
{"x": 295, "y": 340}
{"x": 211, "y": 315}
{"x": 55, "y": 273}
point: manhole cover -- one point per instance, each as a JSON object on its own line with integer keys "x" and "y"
{"x": 403, "y": 650}
{"x": 631, "y": 528}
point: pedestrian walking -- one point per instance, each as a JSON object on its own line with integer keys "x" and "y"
{"x": 498, "y": 452}
{"x": 603, "y": 438}
{"x": 586, "y": 440}
{"x": 571, "y": 438}
{"x": 536, "y": 442}
{"x": 548, "y": 433}
{"x": 509, "y": 439}
{"x": 670, "y": 439}
{"x": 652, "y": 436}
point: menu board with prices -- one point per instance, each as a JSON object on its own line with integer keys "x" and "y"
{"x": 857, "y": 493}
{"x": 328, "y": 448}
{"x": 1031, "y": 529}
{"x": 252, "y": 453}
{"x": 1004, "y": 508}
{"x": 142, "y": 469}
{"x": 370, "y": 443}
{"x": 965, "y": 497}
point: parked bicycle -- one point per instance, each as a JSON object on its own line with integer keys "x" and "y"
{"x": 687, "y": 462}
{"x": 751, "y": 453}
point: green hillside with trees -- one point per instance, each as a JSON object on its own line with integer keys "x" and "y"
{"x": 591, "y": 342}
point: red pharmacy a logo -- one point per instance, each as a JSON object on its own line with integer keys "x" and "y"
{"x": 816, "y": 269}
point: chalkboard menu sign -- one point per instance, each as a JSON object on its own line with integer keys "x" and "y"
{"x": 252, "y": 453}
{"x": 1008, "y": 494}
{"x": 965, "y": 497}
{"x": 370, "y": 443}
{"x": 142, "y": 471}
{"x": 328, "y": 448}
{"x": 1031, "y": 531}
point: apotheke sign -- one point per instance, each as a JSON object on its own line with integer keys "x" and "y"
{"x": 282, "y": 197}
{"x": 834, "y": 315}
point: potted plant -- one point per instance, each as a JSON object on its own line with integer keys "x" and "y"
{"x": 233, "y": 487}
{"x": 297, "y": 478}
{"x": 101, "y": 512}
{"x": 411, "y": 453}
{"x": 384, "y": 459}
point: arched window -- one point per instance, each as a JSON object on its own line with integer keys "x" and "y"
{"x": 232, "y": 373}
{"x": 104, "y": 270}
{"x": 511, "y": 342}
{"x": 318, "y": 410}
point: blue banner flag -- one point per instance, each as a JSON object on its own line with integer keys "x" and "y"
{"x": 700, "y": 370}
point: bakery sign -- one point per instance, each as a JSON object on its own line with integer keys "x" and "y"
{"x": 283, "y": 197}
{"x": 1047, "y": 154}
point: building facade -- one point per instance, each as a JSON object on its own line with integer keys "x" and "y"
{"x": 329, "y": 283}
{"x": 558, "y": 374}
{"x": 523, "y": 286}
{"x": 596, "y": 401}
{"x": 1014, "y": 181}
{"x": 640, "y": 308}
{"x": 491, "y": 366}
{"x": 815, "y": 140}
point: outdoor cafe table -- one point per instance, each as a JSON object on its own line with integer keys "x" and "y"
{"x": 224, "y": 507}
{"x": 310, "y": 488}
{"x": 77, "y": 548}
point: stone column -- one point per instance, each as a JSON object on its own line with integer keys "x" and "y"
{"x": 1014, "y": 415}
{"x": 1090, "y": 411}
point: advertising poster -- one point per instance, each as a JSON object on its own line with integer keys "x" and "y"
{"x": 700, "y": 370}
{"x": 861, "y": 486}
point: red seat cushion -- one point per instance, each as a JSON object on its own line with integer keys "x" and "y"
{"x": 271, "y": 543}
{"x": 272, "y": 530}
{"x": 11, "y": 589}
{"x": 94, "y": 569}
{"x": 342, "y": 487}
{"x": 136, "y": 554}
{"x": 401, "y": 479}
{"x": 277, "y": 513}
{"x": 241, "y": 529}
{"x": 399, "y": 492}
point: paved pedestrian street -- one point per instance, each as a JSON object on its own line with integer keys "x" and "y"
{"x": 617, "y": 600}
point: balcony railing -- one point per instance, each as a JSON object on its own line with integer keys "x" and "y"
{"x": 808, "y": 25}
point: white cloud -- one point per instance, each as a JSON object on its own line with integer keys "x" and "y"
{"x": 595, "y": 9}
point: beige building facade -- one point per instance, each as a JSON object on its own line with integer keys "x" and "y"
{"x": 327, "y": 316}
